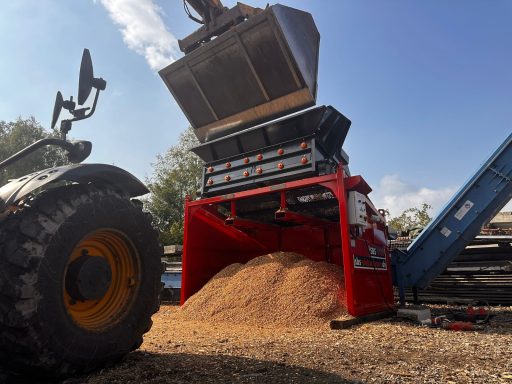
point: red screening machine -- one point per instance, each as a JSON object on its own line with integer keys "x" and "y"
{"x": 275, "y": 176}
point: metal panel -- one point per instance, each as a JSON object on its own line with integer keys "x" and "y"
{"x": 303, "y": 145}
{"x": 328, "y": 126}
{"x": 263, "y": 68}
{"x": 248, "y": 172}
{"x": 485, "y": 193}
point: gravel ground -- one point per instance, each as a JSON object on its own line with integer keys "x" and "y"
{"x": 387, "y": 351}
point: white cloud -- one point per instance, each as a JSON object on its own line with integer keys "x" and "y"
{"x": 140, "y": 22}
{"x": 508, "y": 207}
{"x": 397, "y": 195}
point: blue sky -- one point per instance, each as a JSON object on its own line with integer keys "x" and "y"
{"x": 427, "y": 84}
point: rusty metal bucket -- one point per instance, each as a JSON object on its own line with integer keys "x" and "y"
{"x": 264, "y": 68}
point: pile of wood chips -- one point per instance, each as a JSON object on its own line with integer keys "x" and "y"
{"x": 279, "y": 289}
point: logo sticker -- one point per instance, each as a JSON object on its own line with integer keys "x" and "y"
{"x": 370, "y": 262}
{"x": 464, "y": 209}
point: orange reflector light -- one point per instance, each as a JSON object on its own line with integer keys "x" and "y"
{"x": 228, "y": 165}
{"x": 246, "y": 173}
{"x": 259, "y": 157}
{"x": 280, "y": 165}
{"x": 210, "y": 181}
{"x": 280, "y": 151}
{"x": 227, "y": 177}
{"x": 210, "y": 169}
{"x": 304, "y": 160}
{"x": 259, "y": 171}
{"x": 303, "y": 145}
{"x": 246, "y": 160}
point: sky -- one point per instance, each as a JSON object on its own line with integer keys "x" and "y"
{"x": 426, "y": 84}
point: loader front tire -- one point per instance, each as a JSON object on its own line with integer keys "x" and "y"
{"x": 79, "y": 280}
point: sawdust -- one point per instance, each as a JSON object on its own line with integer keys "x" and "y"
{"x": 183, "y": 352}
{"x": 280, "y": 289}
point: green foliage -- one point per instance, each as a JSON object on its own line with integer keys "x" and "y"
{"x": 176, "y": 174}
{"x": 16, "y": 135}
{"x": 411, "y": 218}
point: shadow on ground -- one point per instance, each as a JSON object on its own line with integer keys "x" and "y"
{"x": 144, "y": 368}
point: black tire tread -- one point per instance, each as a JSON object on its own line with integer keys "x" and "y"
{"x": 24, "y": 235}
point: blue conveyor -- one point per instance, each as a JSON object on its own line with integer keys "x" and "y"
{"x": 483, "y": 195}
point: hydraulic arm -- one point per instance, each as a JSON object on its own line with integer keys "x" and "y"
{"x": 207, "y": 9}
{"x": 216, "y": 19}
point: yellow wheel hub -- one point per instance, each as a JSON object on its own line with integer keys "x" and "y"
{"x": 102, "y": 277}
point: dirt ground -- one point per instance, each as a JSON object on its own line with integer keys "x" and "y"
{"x": 386, "y": 351}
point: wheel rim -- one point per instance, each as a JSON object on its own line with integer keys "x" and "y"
{"x": 117, "y": 252}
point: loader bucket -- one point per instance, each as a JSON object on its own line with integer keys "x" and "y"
{"x": 264, "y": 68}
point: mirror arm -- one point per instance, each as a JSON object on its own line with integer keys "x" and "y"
{"x": 93, "y": 109}
{"x": 70, "y": 147}
{"x": 65, "y": 125}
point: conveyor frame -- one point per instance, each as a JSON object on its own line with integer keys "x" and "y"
{"x": 480, "y": 198}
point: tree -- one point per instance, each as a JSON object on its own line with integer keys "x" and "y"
{"x": 16, "y": 135}
{"x": 411, "y": 218}
{"x": 176, "y": 174}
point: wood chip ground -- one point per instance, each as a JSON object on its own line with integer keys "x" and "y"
{"x": 184, "y": 351}
{"x": 214, "y": 340}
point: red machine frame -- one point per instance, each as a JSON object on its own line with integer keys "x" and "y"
{"x": 213, "y": 241}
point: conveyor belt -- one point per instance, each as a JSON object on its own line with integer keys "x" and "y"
{"x": 485, "y": 193}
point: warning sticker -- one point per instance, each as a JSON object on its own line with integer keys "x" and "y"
{"x": 370, "y": 262}
{"x": 464, "y": 209}
{"x": 446, "y": 232}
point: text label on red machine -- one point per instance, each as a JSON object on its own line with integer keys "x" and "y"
{"x": 370, "y": 262}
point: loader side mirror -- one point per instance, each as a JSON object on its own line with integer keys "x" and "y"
{"x": 87, "y": 81}
{"x": 57, "y": 108}
{"x": 59, "y": 104}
